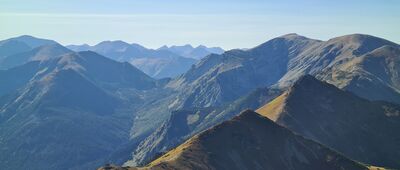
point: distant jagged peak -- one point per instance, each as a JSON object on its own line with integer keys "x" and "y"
{"x": 113, "y": 42}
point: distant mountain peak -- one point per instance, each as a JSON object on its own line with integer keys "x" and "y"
{"x": 369, "y": 41}
{"x": 31, "y": 41}
{"x": 201, "y": 46}
{"x": 292, "y": 36}
{"x": 25, "y": 36}
{"x": 164, "y": 47}
{"x": 114, "y": 42}
{"x": 188, "y": 45}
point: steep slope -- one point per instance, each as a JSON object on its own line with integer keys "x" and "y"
{"x": 70, "y": 112}
{"x": 360, "y": 129}
{"x": 21, "y": 44}
{"x": 30, "y": 41}
{"x": 250, "y": 141}
{"x": 279, "y": 62}
{"x": 163, "y": 66}
{"x": 41, "y": 53}
{"x": 117, "y": 75}
{"x": 156, "y": 63}
{"x": 375, "y": 75}
{"x": 183, "y": 124}
{"x": 16, "y": 77}
{"x": 332, "y": 53}
{"x": 218, "y": 80}
{"x": 215, "y": 81}
{"x": 12, "y": 47}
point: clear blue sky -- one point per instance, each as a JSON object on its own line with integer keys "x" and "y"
{"x": 225, "y": 23}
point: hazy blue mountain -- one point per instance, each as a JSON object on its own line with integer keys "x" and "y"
{"x": 12, "y": 47}
{"x": 251, "y": 141}
{"x": 31, "y": 41}
{"x": 362, "y": 130}
{"x": 77, "y": 48}
{"x": 21, "y": 44}
{"x": 162, "y": 67}
{"x": 70, "y": 112}
{"x": 156, "y": 63}
{"x": 190, "y": 52}
{"x": 40, "y": 53}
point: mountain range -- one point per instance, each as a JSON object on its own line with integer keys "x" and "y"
{"x": 250, "y": 141}
{"x": 63, "y": 109}
{"x": 189, "y": 51}
{"x": 68, "y": 112}
{"x": 161, "y": 63}
{"x": 310, "y": 110}
{"x": 219, "y": 80}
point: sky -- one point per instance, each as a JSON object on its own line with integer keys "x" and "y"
{"x": 225, "y": 23}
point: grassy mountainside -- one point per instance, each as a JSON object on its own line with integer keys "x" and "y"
{"x": 251, "y": 141}
{"x": 70, "y": 112}
{"x": 360, "y": 129}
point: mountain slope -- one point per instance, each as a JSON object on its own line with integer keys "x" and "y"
{"x": 41, "y": 53}
{"x": 278, "y": 62}
{"x": 30, "y": 41}
{"x": 250, "y": 141}
{"x": 164, "y": 66}
{"x": 212, "y": 79}
{"x": 360, "y": 129}
{"x": 375, "y": 75}
{"x": 69, "y": 112}
{"x": 183, "y": 124}
{"x": 12, "y": 47}
{"x": 21, "y": 44}
{"x": 218, "y": 80}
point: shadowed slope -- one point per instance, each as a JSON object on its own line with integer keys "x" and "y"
{"x": 250, "y": 141}
{"x": 362, "y": 130}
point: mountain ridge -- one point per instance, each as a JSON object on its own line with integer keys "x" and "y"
{"x": 250, "y": 141}
{"x": 339, "y": 120}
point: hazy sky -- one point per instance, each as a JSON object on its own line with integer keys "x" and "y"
{"x": 225, "y": 23}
